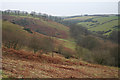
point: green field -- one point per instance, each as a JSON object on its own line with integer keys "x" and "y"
{"x": 105, "y": 24}
{"x": 68, "y": 43}
{"x": 82, "y": 18}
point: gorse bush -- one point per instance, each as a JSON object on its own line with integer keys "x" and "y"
{"x": 22, "y": 22}
{"x": 28, "y": 30}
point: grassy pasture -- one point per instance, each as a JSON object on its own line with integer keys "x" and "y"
{"x": 82, "y": 18}
{"x": 101, "y": 24}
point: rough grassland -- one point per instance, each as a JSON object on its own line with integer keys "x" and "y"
{"x": 42, "y": 26}
{"x": 13, "y": 28}
{"x": 22, "y": 64}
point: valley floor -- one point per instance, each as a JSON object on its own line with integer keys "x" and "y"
{"x": 22, "y": 67}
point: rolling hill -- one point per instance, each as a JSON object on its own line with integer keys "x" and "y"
{"x": 10, "y": 28}
{"x": 99, "y": 24}
{"x": 41, "y": 26}
{"x": 67, "y": 59}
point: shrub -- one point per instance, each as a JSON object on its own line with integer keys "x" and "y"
{"x": 114, "y": 36}
{"x": 28, "y": 30}
{"x": 66, "y": 54}
{"x": 45, "y": 44}
{"x": 114, "y": 53}
{"x": 84, "y": 53}
{"x": 35, "y": 43}
{"x": 89, "y": 42}
{"x": 22, "y": 22}
{"x": 100, "y": 56}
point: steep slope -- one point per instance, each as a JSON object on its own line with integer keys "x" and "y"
{"x": 22, "y": 64}
{"x": 40, "y": 25}
{"x": 10, "y": 29}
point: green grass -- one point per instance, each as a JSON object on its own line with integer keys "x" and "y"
{"x": 105, "y": 27}
{"x": 86, "y": 24}
{"x": 26, "y": 16}
{"x": 80, "y": 18}
{"x": 102, "y": 24}
{"x": 105, "y": 19}
{"x": 11, "y": 27}
{"x": 97, "y": 23}
{"x": 68, "y": 44}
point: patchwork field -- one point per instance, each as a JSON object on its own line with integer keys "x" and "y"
{"x": 105, "y": 24}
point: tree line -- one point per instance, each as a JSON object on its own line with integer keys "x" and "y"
{"x": 94, "y": 49}
{"x": 33, "y": 14}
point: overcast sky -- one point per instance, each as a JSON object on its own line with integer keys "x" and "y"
{"x": 63, "y": 7}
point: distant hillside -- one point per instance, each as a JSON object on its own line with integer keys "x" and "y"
{"x": 9, "y": 29}
{"x": 99, "y": 24}
{"x": 46, "y": 27}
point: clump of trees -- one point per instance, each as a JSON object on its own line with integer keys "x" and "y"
{"x": 42, "y": 44}
{"x": 94, "y": 49}
{"x": 35, "y": 43}
{"x": 28, "y": 30}
{"x": 83, "y": 37}
{"x": 114, "y": 36}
